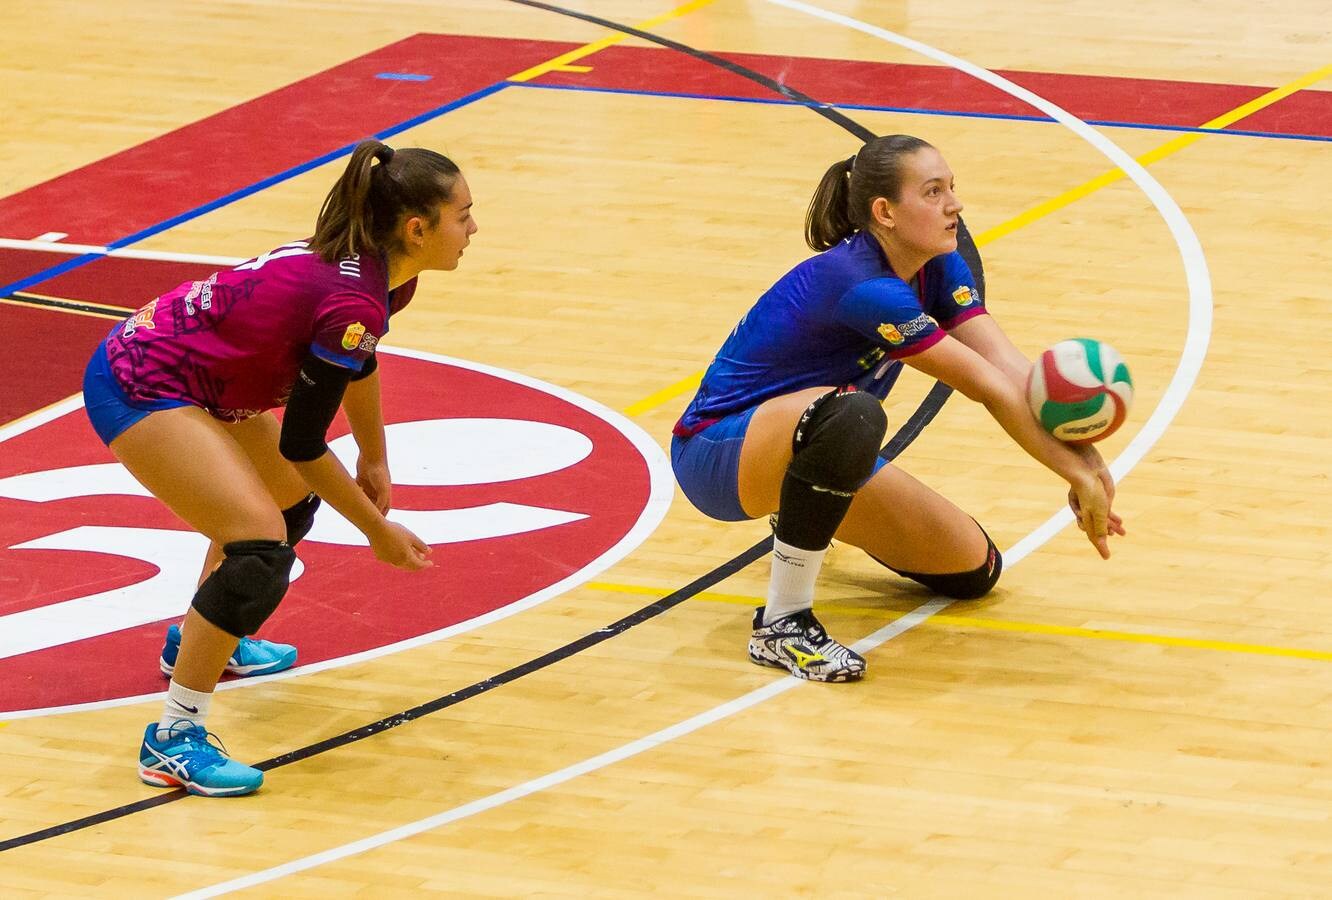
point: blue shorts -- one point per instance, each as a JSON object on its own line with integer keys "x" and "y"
{"x": 109, "y": 410}
{"x": 707, "y": 466}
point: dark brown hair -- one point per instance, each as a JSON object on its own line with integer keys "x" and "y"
{"x": 362, "y": 211}
{"x": 841, "y": 203}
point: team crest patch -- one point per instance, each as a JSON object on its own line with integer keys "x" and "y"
{"x": 890, "y": 333}
{"x": 351, "y": 338}
{"x": 964, "y": 296}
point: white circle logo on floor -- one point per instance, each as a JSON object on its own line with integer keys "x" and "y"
{"x": 522, "y": 489}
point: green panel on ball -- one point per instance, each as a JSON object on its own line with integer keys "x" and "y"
{"x": 1092, "y": 350}
{"x": 1054, "y": 414}
{"x": 1122, "y": 375}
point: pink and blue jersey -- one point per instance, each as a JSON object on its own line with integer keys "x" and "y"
{"x": 234, "y": 342}
{"x": 840, "y": 318}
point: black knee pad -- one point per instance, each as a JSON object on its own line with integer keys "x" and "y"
{"x": 963, "y": 585}
{"x": 244, "y": 590}
{"x": 300, "y": 518}
{"x": 837, "y": 441}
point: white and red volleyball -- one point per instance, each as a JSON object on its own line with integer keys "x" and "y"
{"x": 1080, "y": 390}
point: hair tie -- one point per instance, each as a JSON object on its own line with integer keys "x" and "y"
{"x": 851, "y": 164}
{"x": 384, "y": 153}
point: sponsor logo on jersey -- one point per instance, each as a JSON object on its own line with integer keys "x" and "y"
{"x": 201, "y": 291}
{"x": 141, "y": 319}
{"x": 368, "y": 343}
{"x": 964, "y": 296}
{"x": 898, "y": 334}
{"x": 351, "y": 338}
{"x": 919, "y": 325}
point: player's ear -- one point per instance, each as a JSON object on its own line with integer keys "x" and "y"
{"x": 882, "y": 212}
{"x": 414, "y": 229}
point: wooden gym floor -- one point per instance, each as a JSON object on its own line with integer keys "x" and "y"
{"x": 1155, "y": 725}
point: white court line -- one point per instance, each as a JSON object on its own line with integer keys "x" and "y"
{"x": 660, "y": 493}
{"x": 122, "y": 253}
{"x": 1196, "y": 275}
{"x": 1186, "y": 373}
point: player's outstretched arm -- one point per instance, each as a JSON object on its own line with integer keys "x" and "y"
{"x": 965, "y": 370}
{"x": 984, "y": 335}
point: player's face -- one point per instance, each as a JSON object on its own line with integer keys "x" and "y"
{"x": 442, "y": 244}
{"x": 925, "y": 216}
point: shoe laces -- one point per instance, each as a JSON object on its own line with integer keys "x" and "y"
{"x": 809, "y": 625}
{"x": 203, "y": 743}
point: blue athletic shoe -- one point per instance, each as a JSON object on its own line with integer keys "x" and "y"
{"x": 188, "y": 759}
{"x": 252, "y": 656}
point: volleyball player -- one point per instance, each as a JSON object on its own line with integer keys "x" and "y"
{"x": 181, "y": 391}
{"x": 788, "y": 417}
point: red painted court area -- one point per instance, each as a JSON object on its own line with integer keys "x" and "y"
{"x": 939, "y": 88}
{"x": 346, "y": 602}
{"x": 48, "y": 351}
{"x": 335, "y": 610}
{"x": 234, "y": 149}
{"x": 237, "y": 149}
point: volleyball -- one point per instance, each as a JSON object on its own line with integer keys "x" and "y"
{"x": 1080, "y": 390}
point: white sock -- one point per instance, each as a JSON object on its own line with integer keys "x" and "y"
{"x": 182, "y": 705}
{"x": 791, "y": 587}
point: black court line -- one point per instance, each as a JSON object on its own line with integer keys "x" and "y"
{"x": 114, "y": 312}
{"x": 790, "y": 93}
{"x": 926, "y": 412}
{"x": 900, "y": 441}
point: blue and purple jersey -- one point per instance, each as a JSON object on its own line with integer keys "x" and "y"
{"x": 234, "y": 342}
{"x": 840, "y": 318}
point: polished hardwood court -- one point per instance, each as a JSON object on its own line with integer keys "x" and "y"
{"x": 1154, "y": 725}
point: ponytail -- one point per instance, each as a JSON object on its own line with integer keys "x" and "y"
{"x": 379, "y": 186}
{"x": 826, "y": 221}
{"x": 841, "y": 203}
{"x": 341, "y": 229}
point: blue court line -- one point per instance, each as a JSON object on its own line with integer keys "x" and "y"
{"x": 403, "y": 76}
{"x": 242, "y": 193}
{"x": 917, "y": 111}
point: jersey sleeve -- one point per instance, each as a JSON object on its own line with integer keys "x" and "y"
{"x": 347, "y": 328}
{"x": 886, "y": 311}
{"x": 953, "y": 296}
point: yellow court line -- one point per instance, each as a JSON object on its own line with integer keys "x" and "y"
{"x": 1041, "y": 210}
{"x": 944, "y": 619}
{"x": 1174, "y": 145}
{"x": 560, "y": 62}
{"x": 661, "y": 396}
{"x": 37, "y": 412}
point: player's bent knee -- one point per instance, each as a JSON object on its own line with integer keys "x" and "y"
{"x": 249, "y": 584}
{"x": 837, "y": 440}
{"x": 970, "y": 585}
{"x": 300, "y": 518}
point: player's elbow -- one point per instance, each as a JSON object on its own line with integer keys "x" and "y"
{"x": 301, "y": 448}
